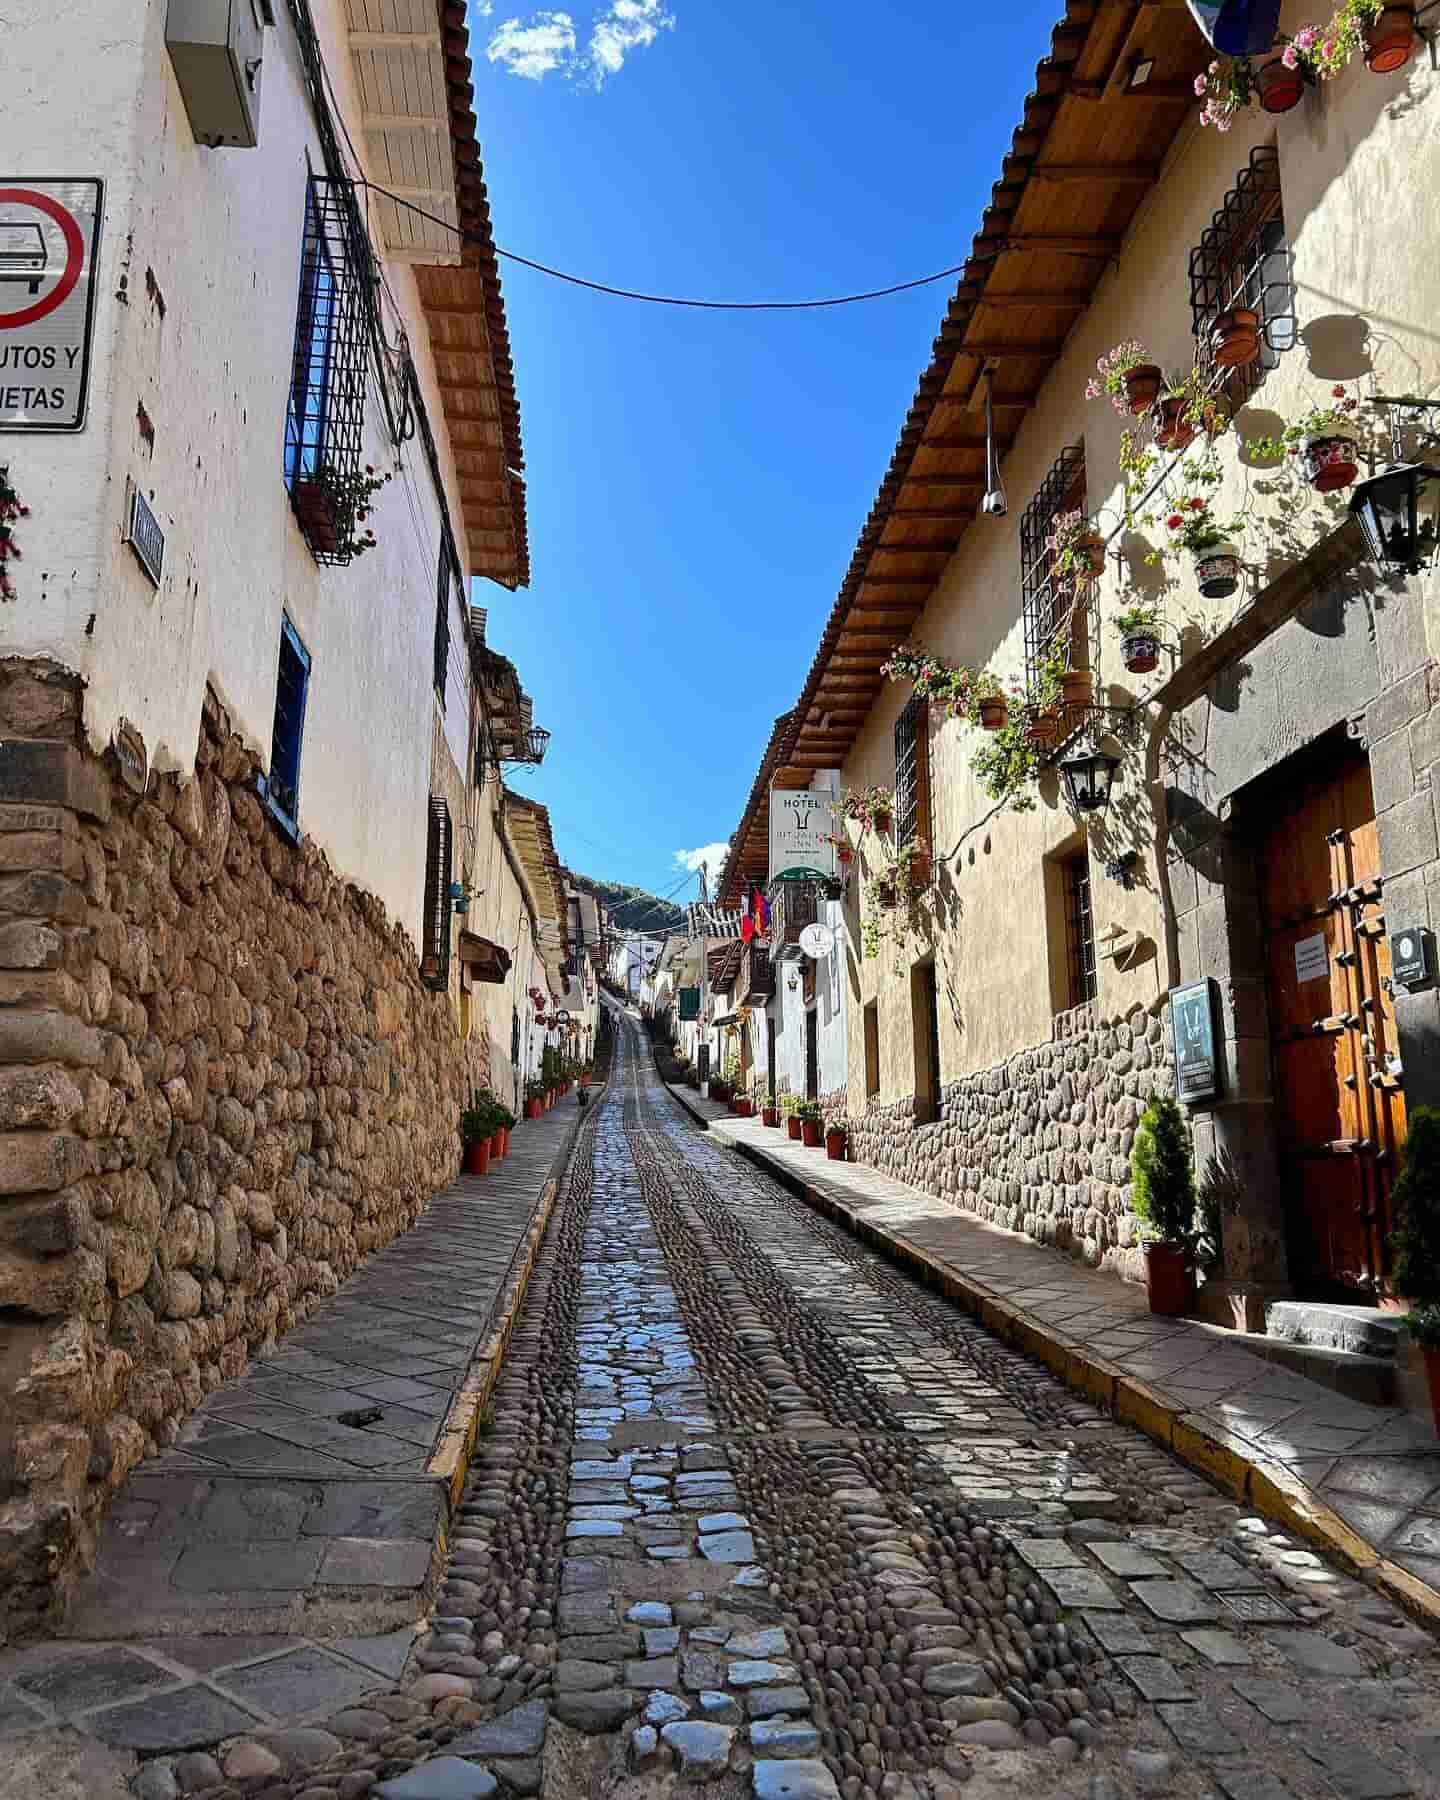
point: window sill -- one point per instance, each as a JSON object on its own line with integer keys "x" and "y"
{"x": 288, "y": 824}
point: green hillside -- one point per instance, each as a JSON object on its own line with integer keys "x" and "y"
{"x": 631, "y": 908}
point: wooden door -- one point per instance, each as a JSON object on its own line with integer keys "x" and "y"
{"x": 1341, "y": 1113}
{"x": 812, "y": 1056}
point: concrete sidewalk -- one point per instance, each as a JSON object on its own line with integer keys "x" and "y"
{"x": 1362, "y": 1481}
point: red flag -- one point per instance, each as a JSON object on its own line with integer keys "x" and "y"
{"x": 747, "y": 928}
{"x": 762, "y": 914}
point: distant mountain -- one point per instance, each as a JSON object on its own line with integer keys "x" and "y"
{"x": 631, "y": 908}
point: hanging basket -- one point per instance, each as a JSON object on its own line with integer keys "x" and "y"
{"x": 1142, "y": 387}
{"x": 1390, "y": 41}
{"x": 1077, "y": 686}
{"x": 919, "y": 875}
{"x": 1141, "y": 651}
{"x": 1235, "y": 337}
{"x": 1042, "y": 724}
{"x": 994, "y": 711}
{"x": 1089, "y": 557}
{"x": 1331, "y": 461}
{"x": 1217, "y": 571}
{"x": 1173, "y": 431}
{"x": 882, "y": 822}
{"x": 1280, "y": 89}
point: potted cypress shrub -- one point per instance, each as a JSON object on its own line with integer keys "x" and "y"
{"x": 811, "y": 1118}
{"x": 534, "y": 1098}
{"x": 1417, "y": 1242}
{"x": 1162, "y": 1174}
{"x": 837, "y": 1139}
{"x": 476, "y": 1129}
{"x": 769, "y": 1111}
{"x": 500, "y": 1140}
{"x": 790, "y": 1106}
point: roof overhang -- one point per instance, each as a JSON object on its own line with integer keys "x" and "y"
{"x": 483, "y": 960}
{"x": 528, "y": 826}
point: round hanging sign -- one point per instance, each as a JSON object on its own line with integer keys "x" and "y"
{"x": 817, "y": 941}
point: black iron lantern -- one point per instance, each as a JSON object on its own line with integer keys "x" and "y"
{"x": 1088, "y": 775}
{"x": 1397, "y": 512}
{"x": 537, "y": 742}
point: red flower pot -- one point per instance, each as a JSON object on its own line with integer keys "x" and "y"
{"x": 1173, "y": 431}
{"x": 1279, "y": 88}
{"x": 1142, "y": 386}
{"x": 1167, "y": 1279}
{"x": 993, "y": 713}
{"x": 835, "y": 1146}
{"x": 1141, "y": 650}
{"x": 1330, "y": 463}
{"x": 846, "y": 854}
{"x": 810, "y": 1133}
{"x": 1390, "y": 41}
{"x": 792, "y": 1129}
{"x": 497, "y": 1146}
{"x": 920, "y": 869}
{"x": 477, "y": 1158}
{"x": 770, "y": 1115}
{"x": 1235, "y": 337}
{"x": 533, "y": 1109}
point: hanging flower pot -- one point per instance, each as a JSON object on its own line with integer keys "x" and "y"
{"x": 1173, "y": 431}
{"x": 994, "y": 710}
{"x": 1390, "y": 41}
{"x": 1089, "y": 556}
{"x": 1279, "y": 88}
{"x": 1235, "y": 337}
{"x": 1141, "y": 651}
{"x": 1217, "y": 570}
{"x": 1142, "y": 387}
{"x": 919, "y": 870}
{"x": 1077, "y": 686}
{"x": 1331, "y": 460}
{"x": 792, "y": 1128}
{"x": 881, "y": 821}
{"x": 846, "y": 854}
{"x": 1042, "y": 724}
{"x": 886, "y": 893}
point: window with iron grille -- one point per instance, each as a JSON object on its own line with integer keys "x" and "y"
{"x": 1243, "y": 260}
{"x": 1079, "y": 926}
{"x": 1049, "y": 602}
{"x": 325, "y": 417}
{"x": 448, "y": 576}
{"x": 912, "y": 776}
{"x": 435, "y": 923}
{"x": 292, "y": 685}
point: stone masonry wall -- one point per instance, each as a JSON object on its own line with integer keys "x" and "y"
{"x": 222, "y": 1086}
{"x": 1042, "y": 1143}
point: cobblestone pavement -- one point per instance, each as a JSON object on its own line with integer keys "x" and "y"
{"x": 758, "y": 1514}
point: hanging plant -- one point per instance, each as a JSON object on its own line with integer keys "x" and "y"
{"x": 872, "y": 806}
{"x": 1386, "y": 35}
{"x": 1324, "y": 442}
{"x": 988, "y": 707}
{"x": 1128, "y": 376}
{"x": 11, "y": 508}
{"x": 1210, "y": 544}
{"x": 1076, "y": 547}
{"x": 1228, "y": 88}
{"x": 1139, "y": 638}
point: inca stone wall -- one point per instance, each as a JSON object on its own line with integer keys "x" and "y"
{"x": 1042, "y": 1143}
{"x": 222, "y": 1086}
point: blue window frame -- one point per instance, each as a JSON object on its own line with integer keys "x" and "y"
{"x": 307, "y": 419}
{"x": 281, "y": 788}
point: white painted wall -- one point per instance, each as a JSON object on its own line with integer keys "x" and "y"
{"x": 216, "y": 234}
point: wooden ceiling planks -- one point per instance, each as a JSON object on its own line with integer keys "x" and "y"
{"x": 1087, "y": 151}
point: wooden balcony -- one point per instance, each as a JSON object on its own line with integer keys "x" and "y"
{"x": 793, "y": 906}
{"x": 757, "y": 976}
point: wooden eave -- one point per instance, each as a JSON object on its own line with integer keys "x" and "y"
{"x": 528, "y": 824}
{"x": 470, "y": 343}
{"x": 1087, "y": 152}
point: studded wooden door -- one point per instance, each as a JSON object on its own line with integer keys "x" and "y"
{"x": 1341, "y": 1111}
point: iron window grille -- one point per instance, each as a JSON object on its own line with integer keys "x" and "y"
{"x": 435, "y": 923}
{"x": 1079, "y": 927}
{"x": 447, "y": 575}
{"x": 281, "y": 787}
{"x": 329, "y": 373}
{"x": 1056, "y": 611}
{"x": 1243, "y": 259}
{"x": 912, "y": 799}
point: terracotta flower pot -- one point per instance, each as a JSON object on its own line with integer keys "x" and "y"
{"x": 888, "y": 895}
{"x": 846, "y": 854}
{"x": 497, "y": 1149}
{"x": 1390, "y": 41}
{"x": 1167, "y": 1279}
{"x": 1076, "y": 687}
{"x": 533, "y": 1109}
{"x": 792, "y": 1129}
{"x": 1235, "y": 337}
{"x": 502, "y": 1137}
{"x": 770, "y": 1115}
{"x": 1141, "y": 651}
{"x": 1432, "y": 1371}
{"x": 1217, "y": 571}
{"x": 1279, "y": 88}
{"x": 835, "y": 1146}
{"x": 1331, "y": 461}
{"x": 1173, "y": 431}
{"x": 743, "y": 1108}
{"x": 919, "y": 870}
{"x": 1142, "y": 387}
{"x": 882, "y": 822}
{"x": 810, "y": 1133}
{"x": 477, "y": 1158}
{"x": 1090, "y": 556}
{"x": 994, "y": 710}
{"x": 1042, "y": 724}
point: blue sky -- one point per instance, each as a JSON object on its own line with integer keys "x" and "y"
{"x": 697, "y": 481}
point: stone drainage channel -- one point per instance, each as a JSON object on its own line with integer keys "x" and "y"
{"x": 757, "y": 1513}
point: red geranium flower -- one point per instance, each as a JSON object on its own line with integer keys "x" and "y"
{"x": 1175, "y": 521}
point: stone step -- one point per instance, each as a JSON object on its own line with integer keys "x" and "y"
{"x": 1365, "y": 1330}
{"x": 1369, "y": 1379}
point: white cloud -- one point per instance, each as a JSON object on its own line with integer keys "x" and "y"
{"x": 535, "y": 46}
{"x": 624, "y": 26}
{"x": 482, "y": 9}
{"x": 709, "y": 857}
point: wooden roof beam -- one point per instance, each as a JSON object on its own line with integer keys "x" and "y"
{"x": 1043, "y": 347}
{"x": 1032, "y": 242}
{"x": 1141, "y": 174}
{"x": 1152, "y": 90}
{"x": 1023, "y": 300}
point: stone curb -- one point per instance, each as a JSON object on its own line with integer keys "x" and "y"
{"x": 1271, "y": 1488}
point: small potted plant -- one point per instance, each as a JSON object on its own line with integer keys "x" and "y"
{"x": 1077, "y": 687}
{"x": 1128, "y": 376}
{"x": 1235, "y": 337}
{"x": 1162, "y": 1174}
{"x": 912, "y": 869}
{"x": 790, "y": 1107}
{"x": 1390, "y": 39}
{"x": 1194, "y": 528}
{"x": 989, "y": 709}
{"x": 1177, "y": 412}
{"x": 534, "y": 1097}
{"x": 1386, "y": 34}
{"x": 769, "y": 1111}
{"x": 477, "y": 1125}
{"x": 742, "y": 1106}
{"x": 1077, "y": 550}
{"x": 500, "y": 1137}
{"x": 1417, "y": 1242}
{"x": 844, "y": 849}
{"x": 1325, "y": 440}
{"x": 1227, "y": 87}
{"x": 837, "y": 1139}
{"x": 811, "y": 1119}
{"x": 1139, "y": 639}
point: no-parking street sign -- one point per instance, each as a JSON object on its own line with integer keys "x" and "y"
{"x": 49, "y": 244}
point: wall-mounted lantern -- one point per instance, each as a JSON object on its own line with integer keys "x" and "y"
{"x": 1398, "y": 511}
{"x": 1088, "y": 773}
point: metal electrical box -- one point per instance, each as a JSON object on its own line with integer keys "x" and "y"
{"x": 216, "y": 48}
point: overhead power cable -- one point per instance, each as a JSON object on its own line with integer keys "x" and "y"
{"x": 619, "y": 293}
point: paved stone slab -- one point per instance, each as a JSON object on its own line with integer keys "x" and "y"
{"x": 1220, "y": 1573}
{"x": 1120, "y": 1635}
{"x": 519, "y": 1732}
{"x": 1081, "y": 1588}
{"x": 1129, "y": 1561}
{"x": 186, "y": 1719}
{"x": 443, "y": 1778}
{"x": 1200, "y": 1731}
{"x": 16, "y": 1713}
{"x": 1176, "y": 1602}
{"x": 1312, "y": 1653}
{"x": 728, "y": 1547}
{"x": 1222, "y": 1648}
{"x": 703, "y": 1749}
{"x": 74, "y": 1683}
{"x": 748, "y": 1674}
{"x": 802, "y": 1780}
{"x": 1357, "y": 1772}
{"x": 1048, "y": 1553}
{"x": 386, "y": 1654}
{"x": 786, "y": 1738}
{"x": 1254, "y": 1609}
{"x": 769, "y": 1702}
{"x": 301, "y": 1681}
{"x": 1155, "y": 1678}
{"x": 1250, "y": 1783}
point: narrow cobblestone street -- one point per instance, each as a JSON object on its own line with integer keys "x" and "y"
{"x": 754, "y": 1512}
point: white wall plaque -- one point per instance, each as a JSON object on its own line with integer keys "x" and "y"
{"x": 1312, "y": 959}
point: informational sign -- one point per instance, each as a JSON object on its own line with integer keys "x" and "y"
{"x": 817, "y": 941}
{"x": 1312, "y": 959}
{"x": 801, "y": 825}
{"x": 49, "y": 255}
{"x": 1192, "y": 1031}
{"x": 145, "y": 537}
{"x": 1410, "y": 958}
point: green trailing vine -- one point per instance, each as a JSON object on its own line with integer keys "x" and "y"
{"x": 11, "y": 508}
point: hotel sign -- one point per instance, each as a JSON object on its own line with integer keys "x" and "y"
{"x": 801, "y": 825}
